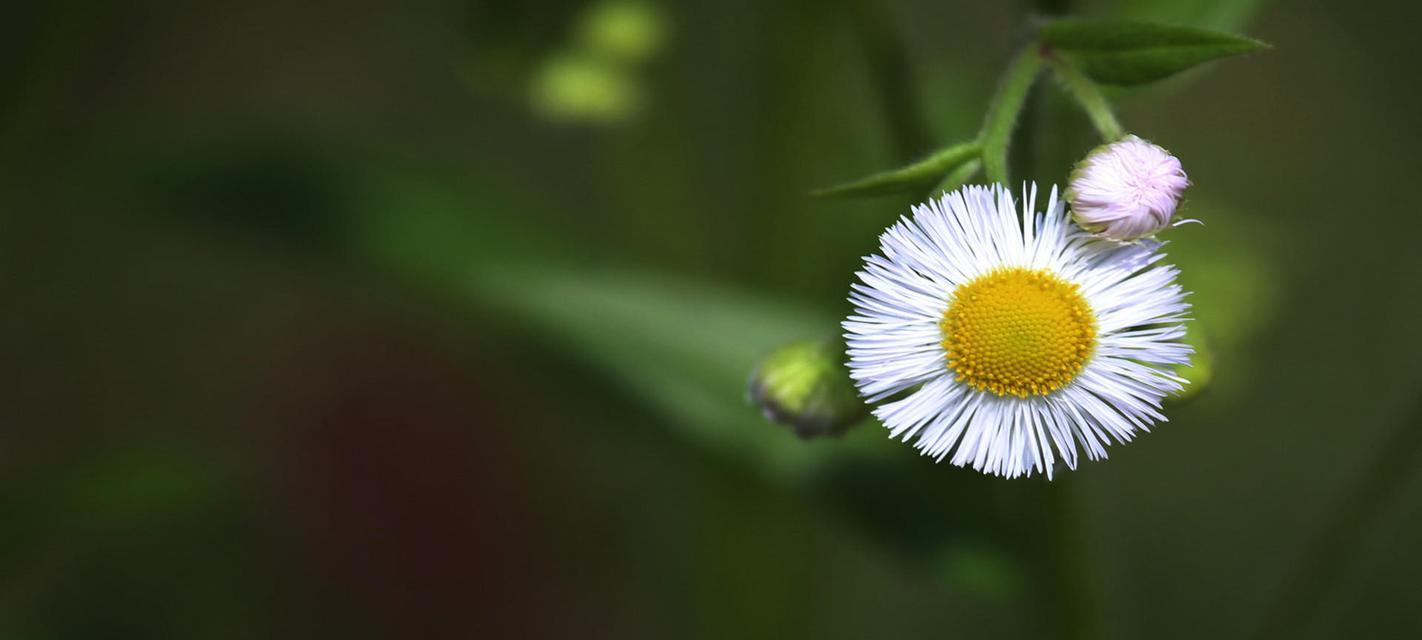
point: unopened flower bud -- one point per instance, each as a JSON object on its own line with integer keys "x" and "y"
{"x": 805, "y": 385}
{"x": 1126, "y": 190}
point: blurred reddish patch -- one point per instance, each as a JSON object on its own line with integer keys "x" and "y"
{"x": 398, "y": 472}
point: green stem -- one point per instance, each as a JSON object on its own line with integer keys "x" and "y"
{"x": 958, "y": 177}
{"x": 1002, "y": 115}
{"x": 1088, "y": 95}
{"x": 1072, "y": 565}
{"x": 1067, "y": 545}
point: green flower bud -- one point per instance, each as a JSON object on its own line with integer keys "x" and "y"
{"x": 805, "y": 386}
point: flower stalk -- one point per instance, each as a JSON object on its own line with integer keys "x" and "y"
{"x": 1089, "y": 97}
{"x": 1003, "y": 113}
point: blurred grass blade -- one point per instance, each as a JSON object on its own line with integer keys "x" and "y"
{"x": 909, "y": 178}
{"x": 1128, "y": 52}
{"x": 684, "y": 347}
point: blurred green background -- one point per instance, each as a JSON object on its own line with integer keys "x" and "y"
{"x": 434, "y": 319}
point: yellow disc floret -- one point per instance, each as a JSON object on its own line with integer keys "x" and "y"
{"x": 1018, "y": 332}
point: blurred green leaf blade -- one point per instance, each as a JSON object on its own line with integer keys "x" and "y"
{"x": 910, "y": 178}
{"x": 682, "y": 346}
{"x": 1222, "y": 15}
{"x": 1130, "y": 52}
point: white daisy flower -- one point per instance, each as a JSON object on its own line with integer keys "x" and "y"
{"x": 1006, "y": 342}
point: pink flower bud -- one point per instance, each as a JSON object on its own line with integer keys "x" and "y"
{"x": 1126, "y": 190}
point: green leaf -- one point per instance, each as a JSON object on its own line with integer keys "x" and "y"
{"x": 1221, "y": 15}
{"x": 1127, "y": 52}
{"x": 910, "y": 178}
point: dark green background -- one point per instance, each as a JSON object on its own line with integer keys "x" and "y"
{"x": 317, "y": 323}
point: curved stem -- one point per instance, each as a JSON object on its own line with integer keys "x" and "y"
{"x": 1088, "y": 95}
{"x": 958, "y": 177}
{"x": 1002, "y": 115}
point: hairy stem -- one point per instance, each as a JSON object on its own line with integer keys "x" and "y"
{"x": 1089, "y": 97}
{"x": 1002, "y": 115}
{"x": 958, "y": 177}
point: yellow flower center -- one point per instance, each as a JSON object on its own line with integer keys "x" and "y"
{"x": 1018, "y": 332}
